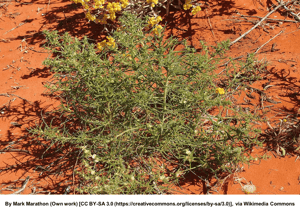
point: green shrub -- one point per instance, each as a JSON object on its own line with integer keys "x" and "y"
{"x": 146, "y": 114}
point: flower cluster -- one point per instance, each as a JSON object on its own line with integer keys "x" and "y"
{"x": 78, "y": 1}
{"x": 195, "y": 10}
{"x": 124, "y": 3}
{"x": 187, "y": 5}
{"x": 153, "y": 2}
{"x": 154, "y": 21}
{"x": 109, "y": 11}
{"x": 220, "y": 91}
{"x": 103, "y": 44}
{"x": 89, "y": 16}
{"x": 112, "y": 9}
{"x": 99, "y": 4}
{"x": 155, "y": 30}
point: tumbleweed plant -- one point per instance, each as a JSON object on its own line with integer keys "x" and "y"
{"x": 143, "y": 111}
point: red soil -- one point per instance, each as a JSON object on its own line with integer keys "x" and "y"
{"x": 23, "y": 77}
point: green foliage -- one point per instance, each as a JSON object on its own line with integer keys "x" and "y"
{"x": 145, "y": 113}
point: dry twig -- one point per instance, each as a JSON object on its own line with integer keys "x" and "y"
{"x": 246, "y": 33}
{"x": 14, "y": 28}
{"x": 15, "y": 150}
{"x": 287, "y": 9}
{"x": 268, "y": 41}
{"x": 270, "y": 19}
{"x": 10, "y": 94}
{"x": 23, "y": 186}
{"x": 74, "y": 172}
{"x": 210, "y": 25}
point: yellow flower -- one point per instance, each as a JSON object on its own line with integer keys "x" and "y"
{"x": 284, "y": 120}
{"x": 124, "y": 3}
{"x": 187, "y": 6}
{"x": 152, "y": 21}
{"x": 111, "y": 42}
{"x": 156, "y": 29}
{"x": 99, "y": 3}
{"x": 85, "y": 6}
{"x": 90, "y": 17}
{"x": 112, "y": 16}
{"x": 195, "y": 10}
{"x": 101, "y": 45}
{"x": 159, "y": 27}
{"x": 103, "y": 20}
{"x": 98, "y": 6}
{"x": 158, "y": 19}
{"x": 153, "y": 2}
{"x": 220, "y": 91}
{"x": 128, "y": 56}
{"x": 112, "y": 8}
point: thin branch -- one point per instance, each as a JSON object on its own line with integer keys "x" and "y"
{"x": 74, "y": 172}
{"x": 37, "y": 51}
{"x": 246, "y": 33}
{"x": 210, "y": 25}
{"x": 48, "y": 6}
{"x": 14, "y": 150}
{"x": 23, "y": 186}
{"x": 225, "y": 64}
{"x": 293, "y": 14}
{"x": 14, "y": 28}
{"x": 10, "y": 94}
{"x": 270, "y": 19}
{"x": 268, "y": 41}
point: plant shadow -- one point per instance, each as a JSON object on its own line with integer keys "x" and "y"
{"x": 283, "y": 133}
{"x": 50, "y": 165}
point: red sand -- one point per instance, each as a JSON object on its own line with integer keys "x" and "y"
{"x": 23, "y": 75}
